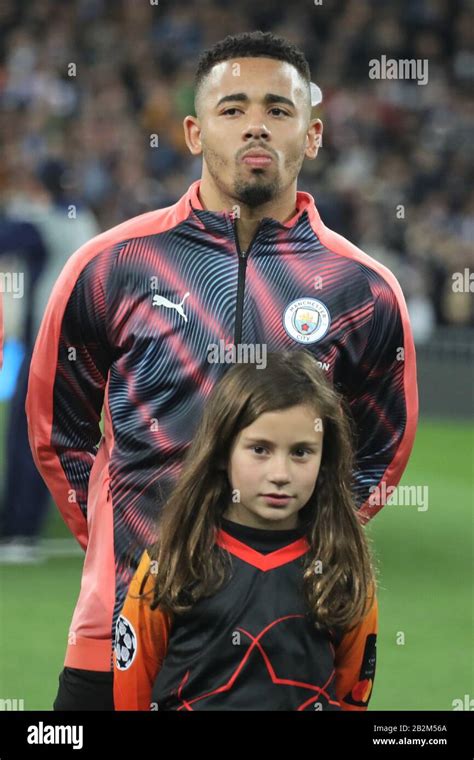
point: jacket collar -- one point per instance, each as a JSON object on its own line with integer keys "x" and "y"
{"x": 221, "y": 222}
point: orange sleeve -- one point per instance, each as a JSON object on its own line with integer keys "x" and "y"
{"x": 141, "y": 642}
{"x": 355, "y": 663}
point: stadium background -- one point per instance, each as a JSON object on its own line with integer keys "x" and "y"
{"x": 82, "y": 135}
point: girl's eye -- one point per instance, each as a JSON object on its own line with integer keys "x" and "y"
{"x": 306, "y": 451}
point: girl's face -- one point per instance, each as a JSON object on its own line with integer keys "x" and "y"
{"x": 279, "y": 453}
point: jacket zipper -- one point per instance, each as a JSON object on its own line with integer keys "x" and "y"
{"x": 243, "y": 255}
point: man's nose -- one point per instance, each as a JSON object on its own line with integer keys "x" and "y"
{"x": 257, "y": 129}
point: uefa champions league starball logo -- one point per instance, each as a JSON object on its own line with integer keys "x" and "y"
{"x": 125, "y": 643}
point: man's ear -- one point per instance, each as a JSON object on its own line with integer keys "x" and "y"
{"x": 192, "y": 134}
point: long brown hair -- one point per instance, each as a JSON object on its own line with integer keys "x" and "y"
{"x": 338, "y": 574}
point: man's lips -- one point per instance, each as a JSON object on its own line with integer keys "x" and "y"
{"x": 257, "y": 159}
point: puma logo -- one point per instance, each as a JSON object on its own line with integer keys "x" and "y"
{"x": 162, "y": 301}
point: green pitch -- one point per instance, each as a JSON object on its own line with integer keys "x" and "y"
{"x": 424, "y": 556}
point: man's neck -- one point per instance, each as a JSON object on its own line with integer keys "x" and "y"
{"x": 281, "y": 209}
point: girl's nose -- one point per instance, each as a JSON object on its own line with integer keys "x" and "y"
{"x": 279, "y": 474}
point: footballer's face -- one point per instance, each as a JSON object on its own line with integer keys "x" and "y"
{"x": 259, "y": 105}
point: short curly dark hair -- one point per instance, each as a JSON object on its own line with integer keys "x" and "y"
{"x": 256, "y": 44}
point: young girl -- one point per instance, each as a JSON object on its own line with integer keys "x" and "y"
{"x": 260, "y": 592}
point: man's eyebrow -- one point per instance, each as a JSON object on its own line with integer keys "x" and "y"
{"x": 270, "y": 97}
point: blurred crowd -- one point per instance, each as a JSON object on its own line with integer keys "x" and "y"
{"x": 85, "y": 83}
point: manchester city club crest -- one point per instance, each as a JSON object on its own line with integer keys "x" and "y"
{"x": 306, "y": 320}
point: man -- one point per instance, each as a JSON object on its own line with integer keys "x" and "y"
{"x": 38, "y": 225}
{"x": 24, "y": 499}
{"x": 1, "y": 331}
{"x": 242, "y": 259}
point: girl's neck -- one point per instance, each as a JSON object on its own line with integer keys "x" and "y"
{"x": 297, "y": 530}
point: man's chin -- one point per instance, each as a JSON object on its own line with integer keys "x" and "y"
{"x": 255, "y": 193}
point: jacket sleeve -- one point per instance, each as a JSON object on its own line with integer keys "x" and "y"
{"x": 384, "y": 400}
{"x": 355, "y": 663}
{"x": 66, "y": 385}
{"x": 141, "y": 642}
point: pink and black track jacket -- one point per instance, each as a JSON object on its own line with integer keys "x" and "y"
{"x": 128, "y": 327}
